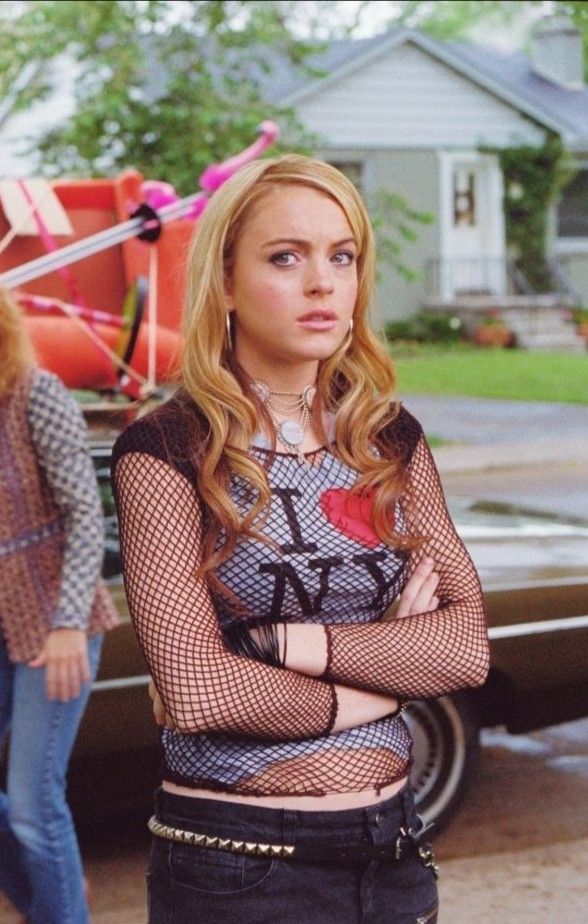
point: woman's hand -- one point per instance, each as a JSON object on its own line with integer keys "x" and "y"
{"x": 65, "y": 659}
{"x": 159, "y": 713}
{"x": 419, "y": 595}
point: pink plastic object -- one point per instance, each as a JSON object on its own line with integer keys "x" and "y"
{"x": 51, "y": 246}
{"x": 157, "y": 193}
{"x": 216, "y": 174}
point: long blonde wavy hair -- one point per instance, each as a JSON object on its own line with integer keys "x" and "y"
{"x": 356, "y": 382}
{"x": 16, "y": 351}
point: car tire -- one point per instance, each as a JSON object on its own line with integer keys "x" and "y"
{"x": 445, "y": 751}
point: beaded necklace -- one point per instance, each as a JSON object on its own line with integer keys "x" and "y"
{"x": 289, "y": 433}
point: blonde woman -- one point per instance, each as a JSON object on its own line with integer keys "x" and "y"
{"x": 54, "y": 610}
{"x": 270, "y": 513}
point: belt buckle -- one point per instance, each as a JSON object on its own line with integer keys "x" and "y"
{"x": 427, "y": 858}
{"x": 423, "y": 848}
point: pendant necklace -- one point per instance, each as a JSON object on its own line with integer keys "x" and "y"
{"x": 289, "y": 433}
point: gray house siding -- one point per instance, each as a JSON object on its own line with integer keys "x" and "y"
{"x": 406, "y": 99}
{"x": 394, "y": 113}
{"x": 414, "y": 175}
{"x": 575, "y": 264}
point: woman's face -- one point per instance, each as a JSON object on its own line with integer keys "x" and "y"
{"x": 293, "y": 285}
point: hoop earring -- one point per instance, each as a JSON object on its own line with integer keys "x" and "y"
{"x": 229, "y": 331}
{"x": 349, "y": 336}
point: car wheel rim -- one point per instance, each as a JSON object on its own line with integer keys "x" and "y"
{"x": 439, "y": 753}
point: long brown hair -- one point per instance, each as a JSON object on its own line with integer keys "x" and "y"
{"x": 16, "y": 351}
{"x": 357, "y": 382}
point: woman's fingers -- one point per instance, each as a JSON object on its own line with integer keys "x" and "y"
{"x": 65, "y": 659}
{"x": 423, "y": 601}
{"x": 415, "y": 586}
{"x": 73, "y": 681}
{"x": 64, "y": 678}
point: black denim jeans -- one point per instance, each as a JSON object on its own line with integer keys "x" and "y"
{"x": 195, "y": 885}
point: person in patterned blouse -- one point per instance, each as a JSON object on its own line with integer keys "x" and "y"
{"x": 271, "y": 513}
{"x": 54, "y": 609}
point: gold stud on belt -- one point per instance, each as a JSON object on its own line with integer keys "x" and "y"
{"x": 218, "y": 843}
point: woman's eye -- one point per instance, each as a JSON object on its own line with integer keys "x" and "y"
{"x": 284, "y": 258}
{"x": 344, "y": 257}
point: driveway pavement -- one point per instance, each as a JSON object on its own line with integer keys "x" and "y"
{"x": 531, "y": 455}
{"x": 486, "y": 422}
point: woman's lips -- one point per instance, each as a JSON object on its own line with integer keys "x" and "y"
{"x": 318, "y": 320}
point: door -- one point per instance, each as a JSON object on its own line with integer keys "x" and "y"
{"x": 472, "y": 245}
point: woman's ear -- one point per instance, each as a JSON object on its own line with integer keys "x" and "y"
{"x": 229, "y": 305}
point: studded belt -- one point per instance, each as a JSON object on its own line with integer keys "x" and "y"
{"x": 407, "y": 842}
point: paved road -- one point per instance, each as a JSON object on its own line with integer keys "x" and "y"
{"x": 486, "y": 422}
{"x": 518, "y": 849}
{"x": 531, "y": 455}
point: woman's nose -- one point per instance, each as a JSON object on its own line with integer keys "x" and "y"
{"x": 319, "y": 277}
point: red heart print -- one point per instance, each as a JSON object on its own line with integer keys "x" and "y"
{"x": 351, "y": 513}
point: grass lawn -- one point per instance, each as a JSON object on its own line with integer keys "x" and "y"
{"x": 489, "y": 373}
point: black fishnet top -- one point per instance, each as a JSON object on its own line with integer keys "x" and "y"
{"x": 244, "y": 726}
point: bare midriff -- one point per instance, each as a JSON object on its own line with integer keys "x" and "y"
{"x": 331, "y": 802}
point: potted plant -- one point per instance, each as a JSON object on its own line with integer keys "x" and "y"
{"x": 492, "y": 331}
{"x": 580, "y": 318}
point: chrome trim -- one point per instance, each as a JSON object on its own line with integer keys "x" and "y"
{"x": 491, "y": 587}
{"x": 121, "y": 683}
{"x": 539, "y": 627}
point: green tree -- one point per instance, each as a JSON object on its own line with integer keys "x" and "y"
{"x": 164, "y": 87}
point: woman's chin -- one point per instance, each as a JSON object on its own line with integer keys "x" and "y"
{"x": 322, "y": 348}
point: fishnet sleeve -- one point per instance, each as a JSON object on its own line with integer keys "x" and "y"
{"x": 204, "y": 686}
{"x": 435, "y": 652}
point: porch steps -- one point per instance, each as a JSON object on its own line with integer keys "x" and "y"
{"x": 544, "y": 329}
{"x": 539, "y": 322}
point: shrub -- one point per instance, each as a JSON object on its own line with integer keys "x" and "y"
{"x": 426, "y": 327}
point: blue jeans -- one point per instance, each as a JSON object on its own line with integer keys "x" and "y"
{"x": 194, "y": 885}
{"x": 40, "y": 865}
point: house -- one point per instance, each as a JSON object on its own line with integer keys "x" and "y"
{"x": 404, "y": 112}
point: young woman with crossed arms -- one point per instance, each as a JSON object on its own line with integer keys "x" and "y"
{"x": 270, "y": 513}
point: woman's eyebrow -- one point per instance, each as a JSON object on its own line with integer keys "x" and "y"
{"x": 300, "y": 242}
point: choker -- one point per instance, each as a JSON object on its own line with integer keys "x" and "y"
{"x": 290, "y": 433}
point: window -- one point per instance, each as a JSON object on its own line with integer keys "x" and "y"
{"x": 464, "y": 197}
{"x": 572, "y": 211}
{"x": 353, "y": 170}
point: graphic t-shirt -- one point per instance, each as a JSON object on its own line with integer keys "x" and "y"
{"x": 246, "y": 726}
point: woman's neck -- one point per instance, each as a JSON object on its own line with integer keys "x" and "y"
{"x": 292, "y": 380}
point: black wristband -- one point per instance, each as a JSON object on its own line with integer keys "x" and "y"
{"x": 267, "y": 649}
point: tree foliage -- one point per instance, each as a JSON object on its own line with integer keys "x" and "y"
{"x": 533, "y": 177}
{"x": 165, "y": 87}
{"x": 171, "y": 86}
